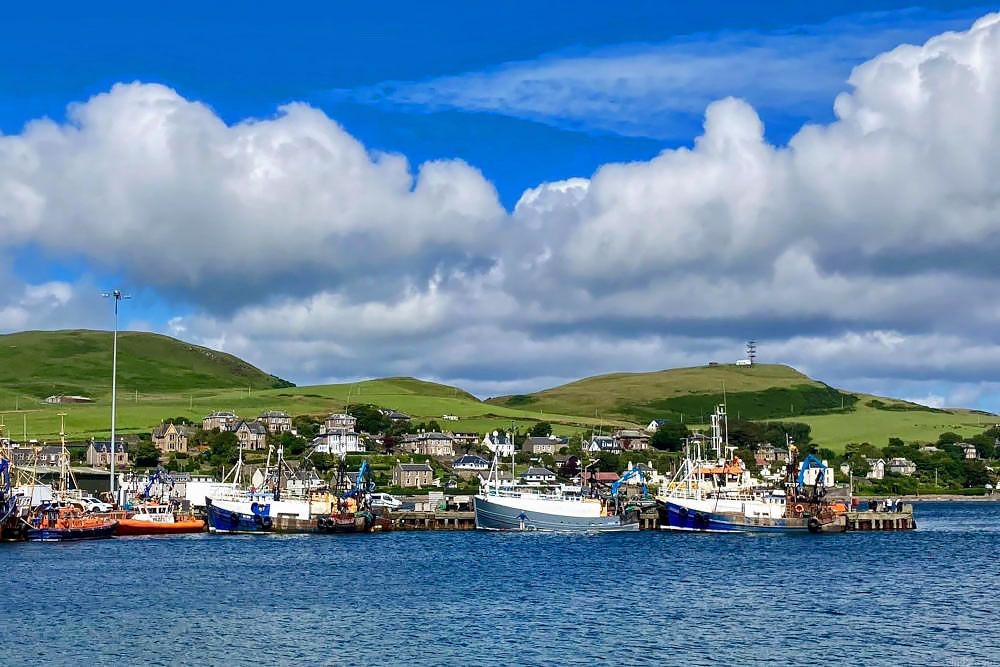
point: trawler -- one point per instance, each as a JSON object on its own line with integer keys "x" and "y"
{"x": 506, "y": 504}
{"x": 715, "y": 495}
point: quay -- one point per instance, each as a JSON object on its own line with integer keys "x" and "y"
{"x": 866, "y": 521}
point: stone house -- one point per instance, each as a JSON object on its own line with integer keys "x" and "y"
{"x": 99, "y": 454}
{"x": 632, "y": 440}
{"x": 223, "y": 421}
{"x": 276, "y": 421}
{"x": 46, "y": 455}
{"x": 901, "y": 466}
{"x": 542, "y": 445}
{"x": 171, "y": 438}
{"x": 432, "y": 444}
{"x": 251, "y": 434}
{"x": 655, "y": 425}
{"x": 340, "y": 421}
{"x": 968, "y": 450}
{"x": 412, "y": 475}
{"x": 465, "y": 439}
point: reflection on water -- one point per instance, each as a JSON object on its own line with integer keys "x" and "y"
{"x": 464, "y": 598}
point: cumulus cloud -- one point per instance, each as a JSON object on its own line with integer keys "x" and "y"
{"x": 160, "y": 188}
{"x": 861, "y": 251}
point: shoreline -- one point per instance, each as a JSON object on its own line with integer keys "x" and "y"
{"x": 939, "y": 497}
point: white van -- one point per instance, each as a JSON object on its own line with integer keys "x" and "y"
{"x": 386, "y": 501}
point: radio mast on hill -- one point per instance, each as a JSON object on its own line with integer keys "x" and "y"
{"x": 752, "y": 351}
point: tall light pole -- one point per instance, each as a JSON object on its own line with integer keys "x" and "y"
{"x": 117, "y": 296}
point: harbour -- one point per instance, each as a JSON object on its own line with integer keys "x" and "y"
{"x": 481, "y": 597}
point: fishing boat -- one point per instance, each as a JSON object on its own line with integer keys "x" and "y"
{"x": 715, "y": 495}
{"x": 506, "y": 504}
{"x": 52, "y": 523}
{"x": 156, "y": 519}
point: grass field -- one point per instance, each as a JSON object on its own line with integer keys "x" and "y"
{"x": 421, "y": 400}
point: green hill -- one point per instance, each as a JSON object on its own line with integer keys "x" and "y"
{"x": 36, "y": 364}
{"x": 758, "y": 392}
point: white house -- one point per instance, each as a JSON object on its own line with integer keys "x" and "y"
{"x": 604, "y": 443}
{"x": 901, "y": 466}
{"x": 655, "y": 425}
{"x": 499, "y": 443}
{"x": 539, "y": 476}
{"x": 471, "y": 462}
{"x": 338, "y": 442}
{"x": 969, "y": 450}
{"x": 876, "y": 469}
{"x": 811, "y": 475}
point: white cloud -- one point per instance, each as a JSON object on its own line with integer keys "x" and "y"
{"x": 659, "y": 90}
{"x": 147, "y": 182}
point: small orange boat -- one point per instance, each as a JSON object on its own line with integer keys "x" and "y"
{"x": 158, "y": 520}
{"x": 51, "y": 523}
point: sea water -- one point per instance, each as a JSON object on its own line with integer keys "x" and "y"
{"x": 928, "y": 597}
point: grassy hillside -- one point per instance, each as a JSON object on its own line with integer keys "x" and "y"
{"x": 174, "y": 379}
{"x": 421, "y": 400}
{"x": 758, "y": 392}
{"x": 36, "y": 364}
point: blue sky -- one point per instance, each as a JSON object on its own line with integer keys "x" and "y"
{"x": 523, "y": 94}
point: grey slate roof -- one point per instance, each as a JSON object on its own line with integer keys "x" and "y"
{"x": 415, "y": 467}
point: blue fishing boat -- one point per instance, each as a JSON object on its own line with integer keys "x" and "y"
{"x": 716, "y": 496}
{"x": 62, "y": 524}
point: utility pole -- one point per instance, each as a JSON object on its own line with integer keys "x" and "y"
{"x": 117, "y": 296}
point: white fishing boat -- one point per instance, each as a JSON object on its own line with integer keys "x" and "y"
{"x": 506, "y": 504}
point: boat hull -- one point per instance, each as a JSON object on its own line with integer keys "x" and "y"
{"x": 495, "y": 516}
{"x": 71, "y": 534}
{"x": 134, "y": 527}
{"x": 677, "y": 516}
{"x": 222, "y": 520}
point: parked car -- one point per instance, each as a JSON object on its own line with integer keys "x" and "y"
{"x": 92, "y": 504}
{"x": 386, "y": 501}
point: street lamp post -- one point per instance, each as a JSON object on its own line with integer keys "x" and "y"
{"x": 117, "y": 296}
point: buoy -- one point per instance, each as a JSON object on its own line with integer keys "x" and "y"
{"x": 799, "y": 508}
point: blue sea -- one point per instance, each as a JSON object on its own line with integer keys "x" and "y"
{"x": 928, "y": 597}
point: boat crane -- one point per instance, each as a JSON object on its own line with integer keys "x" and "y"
{"x": 634, "y": 472}
{"x": 363, "y": 483}
{"x": 160, "y": 476}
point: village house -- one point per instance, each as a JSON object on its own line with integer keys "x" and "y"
{"x": 251, "y": 434}
{"x": 968, "y": 450}
{"x": 765, "y": 453}
{"x": 412, "y": 475}
{"x": 466, "y": 439}
{"x": 432, "y": 444}
{"x": 605, "y": 444}
{"x": 338, "y": 442}
{"x": 395, "y": 416}
{"x": 539, "y": 476}
{"x": 876, "y": 469}
{"x": 542, "y": 445}
{"x": 499, "y": 443}
{"x": 171, "y": 438}
{"x": 339, "y": 421}
{"x": 99, "y": 454}
{"x": 632, "y": 440}
{"x": 223, "y": 421}
{"x": 45, "y": 455}
{"x": 655, "y": 425}
{"x": 276, "y": 421}
{"x": 470, "y": 462}
{"x": 901, "y": 466}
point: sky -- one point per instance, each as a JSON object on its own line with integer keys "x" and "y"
{"x": 510, "y": 196}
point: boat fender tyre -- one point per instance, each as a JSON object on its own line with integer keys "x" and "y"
{"x": 813, "y": 525}
{"x": 266, "y": 522}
